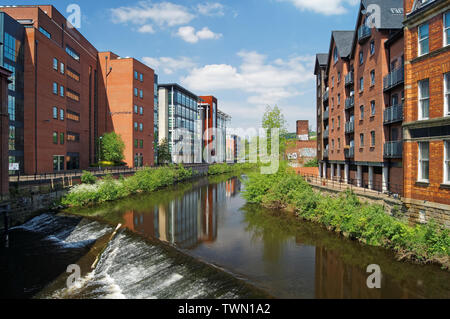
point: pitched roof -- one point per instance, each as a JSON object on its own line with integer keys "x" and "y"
{"x": 344, "y": 42}
{"x": 321, "y": 61}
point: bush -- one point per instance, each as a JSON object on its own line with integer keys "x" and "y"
{"x": 88, "y": 178}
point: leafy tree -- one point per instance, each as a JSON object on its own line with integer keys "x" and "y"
{"x": 312, "y": 163}
{"x": 273, "y": 118}
{"x": 112, "y": 148}
{"x": 164, "y": 156}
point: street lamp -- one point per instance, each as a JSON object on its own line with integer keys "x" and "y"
{"x": 99, "y": 152}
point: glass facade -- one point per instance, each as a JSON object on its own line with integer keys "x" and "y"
{"x": 12, "y": 35}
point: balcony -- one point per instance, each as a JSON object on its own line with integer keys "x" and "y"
{"x": 326, "y": 115}
{"x": 326, "y": 95}
{"x": 350, "y": 152}
{"x": 393, "y": 114}
{"x": 325, "y": 153}
{"x": 394, "y": 78}
{"x": 364, "y": 33}
{"x": 393, "y": 149}
{"x": 326, "y": 134}
{"x": 349, "y": 102}
{"x": 349, "y": 127}
{"x": 350, "y": 78}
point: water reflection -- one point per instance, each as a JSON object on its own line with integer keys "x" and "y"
{"x": 276, "y": 252}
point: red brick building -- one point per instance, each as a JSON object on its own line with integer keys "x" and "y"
{"x": 353, "y": 106}
{"x": 305, "y": 149}
{"x": 4, "y": 125}
{"x": 427, "y": 107}
{"x": 127, "y": 108}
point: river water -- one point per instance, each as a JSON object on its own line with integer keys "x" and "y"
{"x": 199, "y": 240}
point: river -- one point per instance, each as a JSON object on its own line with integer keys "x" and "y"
{"x": 199, "y": 240}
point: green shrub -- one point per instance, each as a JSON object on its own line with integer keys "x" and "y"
{"x": 88, "y": 178}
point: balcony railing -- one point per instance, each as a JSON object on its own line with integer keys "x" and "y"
{"x": 349, "y": 127}
{"x": 350, "y": 152}
{"x": 349, "y": 102}
{"x": 349, "y": 78}
{"x": 393, "y": 114}
{"x": 326, "y": 95}
{"x": 325, "y": 153}
{"x": 364, "y": 32}
{"x": 393, "y": 149}
{"x": 326, "y": 134}
{"x": 394, "y": 78}
{"x": 326, "y": 115}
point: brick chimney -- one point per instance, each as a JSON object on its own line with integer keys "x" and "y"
{"x": 303, "y": 130}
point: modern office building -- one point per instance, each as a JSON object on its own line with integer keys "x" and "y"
{"x": 178, "y": 116}
{"x": 58, "y": 74}
{"x": 127, "y": 107}
{"x": 354, "y": 103}
{"x": 427, "y": 107}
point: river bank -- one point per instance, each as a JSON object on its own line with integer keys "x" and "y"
{"x": 346, "y": 215}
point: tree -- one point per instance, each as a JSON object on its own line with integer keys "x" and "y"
{"x": 273, "y": 118}
{"x": 112, "y": 148}
{"x": 164, "y": 156}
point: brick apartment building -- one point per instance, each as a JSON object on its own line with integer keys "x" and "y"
{"x": 427, "y": 105}
{"x": 127, "y": 108}
{"x": 354, "y": 100}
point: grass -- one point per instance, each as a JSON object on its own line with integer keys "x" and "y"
{"x": 219, "y": 169}
{"x": 347, "y": 215}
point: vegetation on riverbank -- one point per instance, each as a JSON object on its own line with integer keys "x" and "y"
{"x": 346, "y": 214}
{"x": 219, "y": 169}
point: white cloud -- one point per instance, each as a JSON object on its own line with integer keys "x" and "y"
{"x": 162, "y": 14}
{"x": 327, "y": 7}
{"x": 266, "y": 83}
{"x": 147, "y": 28}
{"x": 211, "y": 9}
{"x": 189, "y": 34}
{"x": 169, "y": 65}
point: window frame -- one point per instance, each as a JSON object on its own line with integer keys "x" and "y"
{"x": 446, "y": 94}
{"x": 373, "y": 137}
{"x": 55, "y": 113}
{"x": 361, "y": 112}
{"x": 372, "y": 78}
{"x": 372, "y": 47}
{"x": 446, "y": 29}
{"x": 421, "y": 100}
{"x": 55, "y": 64}
{"x": 373, "y": 109}
{"x": 446, "y": 162}
{"x": 361, "y": 140}
{"x": 419, "y": 47}
{"x": 421, "y": 160}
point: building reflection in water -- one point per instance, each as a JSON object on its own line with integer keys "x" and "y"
{"x": 185, "y": 221}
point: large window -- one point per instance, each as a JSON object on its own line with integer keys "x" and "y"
{"x": 74, "y": 54}
{"x": 424, "y": 99}
{"x": 73, "y": 74}
{"x": 45, "y": 32}
{"x": 424, "y": 40}
{"x": 424, "y": 161}
{"x": 447, "y": 28}
{"x": 447, "y": 162}
{"x": 447, "y": 94}
{"x": 73, "y": 95}
{"x": 55, "y": 64}
{"x": 73, "y": 116}
{"x": 10, "y": 47}
{"x": 335, "y": 54}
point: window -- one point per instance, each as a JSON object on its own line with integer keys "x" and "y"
{"x": 73, "y": 74}
{"x": 55, "y": 137}
{"x": 447, "y": 162}
{"x": 361, "y": 111}
{"x": 361, "y": 84}
{"x": 55, "y": 112}
{"x": 361, "y": 140}
{"x": 361, "y": 57}
{"x": 372, "y": 77}
{"x": 447, "y": 94}
{"x": 447, "y": 28}
{"x": 424, "y": 99}
{"x": 424, "y": 161}
{"x": 423, "y": 39}
{"x": 335, "y": 54}
{"x": 136, "y": 75}
{"x": 372, "y": 47}
{"x": 339, "y": 121}
{"x": 372, "y": 108}
{"x": 136, "y": 109}
{"x": 135, "y": 92}
{"x": 141, "y": 94}
{"x": 135, "y": 126}
{"x": 141, "y": 110}
{"x": 332, "y": 124}
{"x": 45, "y": 32}
{"x": 339, "y": 77}
{"x": 61, "y": 114}
{"x": 55, "y": 88}
{"x": 10, "y": 47}
{"x": 339, "y": 143}
{"x": 73, "y": 95}
{"x": 73, "y": 116}
{"x": 61, "y": 138}
{"x": 75, "y": 55}
{"x": 339, "y": 99}
{"x": 55, "y": 64}
{"x": 62, "y": 68}
{"x": 61, "y": 91}
{"x": 141, "y": 143}
{"x": 332, "y": 82}
{"x": 135, "y": 143}
{"x": 141, "y": 127}
{"x": 73, "y": 137}
{"x": 141, "y": 77}
{"x": 372, "y": 135}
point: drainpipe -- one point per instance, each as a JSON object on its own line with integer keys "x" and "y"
{"x": 35, "y": 106}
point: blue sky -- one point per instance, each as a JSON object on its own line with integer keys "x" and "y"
{"x": 247, "y": 53}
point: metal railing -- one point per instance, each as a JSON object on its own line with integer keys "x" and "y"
{"x": 349, "y": 102}
{"x": 393, "y": 149}
{"x": 393, "y": 114}
{"x": 326, "y": 115}
{"x": 364, "y": 32}
{"x": 349, "y": 78}
{"x": 326, "y": 134}
{"x": 326, "y": 153}
{"x": 350, "y": 152}
{"x": 326, "y": 95}
{"x": 394, "y": 78}
{"x": 338, "y": 183}
{"x": 349, "y": 127}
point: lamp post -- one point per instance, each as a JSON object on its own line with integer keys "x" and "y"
{"x": 99, "y": 151}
